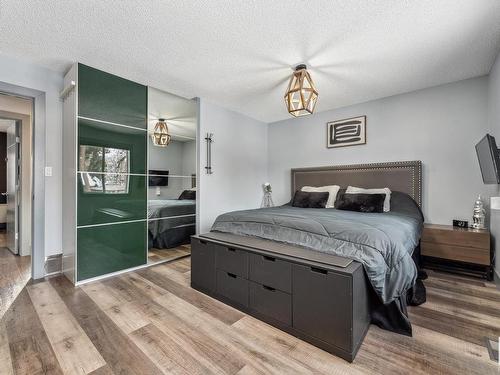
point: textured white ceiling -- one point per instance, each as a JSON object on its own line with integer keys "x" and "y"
{"x": 238, "y": 53}
{"x": 180, "y": 114}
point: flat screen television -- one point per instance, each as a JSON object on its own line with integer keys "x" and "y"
{"x": 158, "y": 178}
{"x": 489, "y": 159}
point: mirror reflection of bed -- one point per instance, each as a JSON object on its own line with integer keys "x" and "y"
{"x": 171, "y": 178}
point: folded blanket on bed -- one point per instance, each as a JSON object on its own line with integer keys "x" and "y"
{"x": 382, "y": 242}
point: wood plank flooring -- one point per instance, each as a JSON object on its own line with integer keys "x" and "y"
{"x": 159, "y": 255}
{"x": 152, "y": 322}
{"x": 15, "y": 272}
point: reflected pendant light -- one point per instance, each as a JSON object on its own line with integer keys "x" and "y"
{"x": 301, "y": 96}
{"x": 160, "y": 135}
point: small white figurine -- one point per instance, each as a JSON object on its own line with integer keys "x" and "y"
{"x": 267, "y": 200}
{"x": 479, "y": 214}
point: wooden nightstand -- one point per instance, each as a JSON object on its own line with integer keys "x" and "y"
{"x": 463, "y": 250}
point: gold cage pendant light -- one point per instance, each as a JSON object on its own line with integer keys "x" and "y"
{"x": 160, "y": 135}
{"x": 301, "y": 96}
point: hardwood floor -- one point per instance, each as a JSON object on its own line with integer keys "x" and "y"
{"x": 160, "y": 255}
{"x": 152, "y": 322}
{"x": 15, "y": 272}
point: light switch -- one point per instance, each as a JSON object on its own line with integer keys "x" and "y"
{"x": 495, "y": 203}
{"x": 48, "y": 171}
{"x": 158, "y": 191}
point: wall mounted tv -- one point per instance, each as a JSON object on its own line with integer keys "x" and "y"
{"x": 158, "y": 177}
{"x": 489, "y": 159}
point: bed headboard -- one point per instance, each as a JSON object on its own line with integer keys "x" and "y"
{"x": 405, "y": 176}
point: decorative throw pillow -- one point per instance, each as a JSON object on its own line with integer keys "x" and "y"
{"x": 188, "y": 194}
{"x": 362, "y": 202}
{"x": 306, "y": 199}
{"x": 386, "y": 191}
{"x": 331, "y": 189}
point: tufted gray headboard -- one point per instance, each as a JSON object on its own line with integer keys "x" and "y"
{"x": 404, "y": 176}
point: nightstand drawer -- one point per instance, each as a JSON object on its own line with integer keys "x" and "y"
{"x": 458, "y": 253}
{"x": 456, "y": 236}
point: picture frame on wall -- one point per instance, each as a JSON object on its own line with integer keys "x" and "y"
{"x": 346, "y": 132}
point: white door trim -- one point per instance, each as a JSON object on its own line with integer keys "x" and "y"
{"x": 38, "y": 180}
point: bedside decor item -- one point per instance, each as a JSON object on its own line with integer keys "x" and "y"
{"x": 267, "y": 199}
{"x": 479, "y": 214}
{"x": 160, "y": 135}
{"x": 460, "y": 223}
{"x": 347, "y": 132}
{"x": 209, "y": 140}
{"x": 301, "y": 95}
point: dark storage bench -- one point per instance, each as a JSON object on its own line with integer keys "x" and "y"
{"x": 320, "y": 298}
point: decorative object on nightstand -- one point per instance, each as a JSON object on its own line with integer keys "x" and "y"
{"x": 267, "y": 199}
{"x": 479, "y": 214}
{"x": 460, "y": 250}
{"x": 460, "y": 223}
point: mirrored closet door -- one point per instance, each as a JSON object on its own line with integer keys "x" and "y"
{"x": 172, "y": 176}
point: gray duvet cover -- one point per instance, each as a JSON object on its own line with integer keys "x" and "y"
{"x": 178, "y": 212}
{"x": 382, "y": 242}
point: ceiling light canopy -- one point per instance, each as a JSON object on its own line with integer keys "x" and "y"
{"x": 160, "y": 135}
{"x": 301, "y": 95}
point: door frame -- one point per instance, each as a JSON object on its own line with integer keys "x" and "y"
{"x": 38, "y": 125}
{"x": 17, "y": 124}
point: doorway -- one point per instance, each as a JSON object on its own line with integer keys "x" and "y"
{"x": 16, "y": 116}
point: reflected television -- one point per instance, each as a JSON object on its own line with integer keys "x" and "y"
{"x": 489, "y": 159}
{"x": 158, "y": 177}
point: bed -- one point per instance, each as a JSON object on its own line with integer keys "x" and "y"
{"x": 171, "y": 222}
{"x": 385, "y": 246}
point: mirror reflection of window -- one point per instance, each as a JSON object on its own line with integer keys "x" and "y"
{"x": 110, "y": 166}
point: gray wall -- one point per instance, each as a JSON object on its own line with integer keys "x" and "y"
{"x": 239, "y": 161}
{"x": 494, "y": 124}
{"x": 21, "y": 73}
{"x": 439, "y": 126}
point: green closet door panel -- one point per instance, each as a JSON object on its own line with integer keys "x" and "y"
{"x": 110, "y": 248}
{"x": 107, "y": 97}
{"x": 110, "y": 198}
{"x": 110, "y": 148}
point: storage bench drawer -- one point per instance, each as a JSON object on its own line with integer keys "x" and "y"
{"x": 322, "y": 305}
{"x": 271, "y": 302}
{"x": 233, "y": 287}
{"x": 270, "y": 271}
{"x": 232, "y": 260}
{"x": 203, "y": 264}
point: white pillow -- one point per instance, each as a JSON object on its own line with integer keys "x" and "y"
{"x": 386, "y": 191}
{"x": 331, "y": 189}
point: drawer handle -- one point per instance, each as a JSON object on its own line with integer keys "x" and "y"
{"x": 231, "y": 249}
{"x": 268, "y": 288}
{"x": 203, "y": 242}
{"x": 319, "y": 270}
{"x": 231, "y": 275}
{"x": 271, "y": 259}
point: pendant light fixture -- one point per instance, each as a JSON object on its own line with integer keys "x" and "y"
{"x": 301, "y": 96}
{"x": 160, "y": 135}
